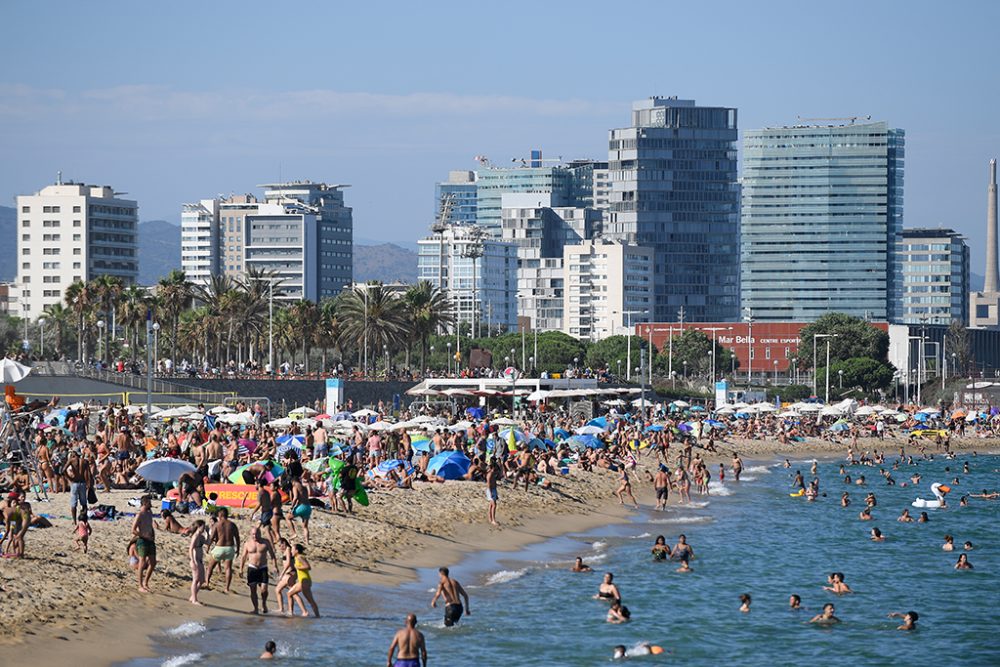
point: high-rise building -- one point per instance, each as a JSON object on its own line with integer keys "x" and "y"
{"x": 476, "y": 271}
{"x": 68, "y": 232}
{"x": 302, "y": 232}
{"x": 821, "y": 217}
{"x": 605, "y": 281}
{"x": 674, "y": 189}
{"x": 984, "y": 307}
{"x": 541, "y": 231}
{"x": 935, "y": 268}
{"x": 462, "y": 189}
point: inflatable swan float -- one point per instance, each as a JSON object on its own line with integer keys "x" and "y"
{"x": 938, "y": 490}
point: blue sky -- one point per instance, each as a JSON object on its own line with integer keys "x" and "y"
{"x": 177, "y": 101}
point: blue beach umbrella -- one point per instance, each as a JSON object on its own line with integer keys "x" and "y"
{"x": 920, "y": 427}
{"x": 536, "y": 443}
{"x": 696, "y": 408}
{"x": 561, "y": 433}
{"x": 450, "y": 465}
{"x": 384, "y": 468}
{"x": 655, "y": 428}
{"x": 920, "y": 416}
{"x": 840, "y": 426}
{"x": 579, "y": 442}
{"x": 599, "y": 422}
{"x": 714, "y": 423}
{"x": 519, "y": 436}
{"x": 685, "y": 427}
{"x": 421, "y": 444}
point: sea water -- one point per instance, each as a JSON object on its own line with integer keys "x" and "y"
{"x": 748, "y": 537}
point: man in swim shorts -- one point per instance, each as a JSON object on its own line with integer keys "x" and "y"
{"x": 409, "y": 645}
{"x": 226, "y": 538}
{"x": 254, "y": 561}
{"x": 145, "y": 543}
{"x": 453, "y": 594}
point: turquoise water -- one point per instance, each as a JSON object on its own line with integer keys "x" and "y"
{"x": 528, "y": 609}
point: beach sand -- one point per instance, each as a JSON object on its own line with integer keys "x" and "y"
{"x": 62, "y": 606}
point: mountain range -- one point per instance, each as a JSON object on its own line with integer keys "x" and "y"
{"x": 160, "y": 253}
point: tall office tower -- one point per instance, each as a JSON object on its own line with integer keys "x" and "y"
{"x": 566, "y": 187}
{"x": 212, "y": 237}
{"x": 68, "y": 232}
{"x": 984, "y": 307}
{"x": 821, "y": 218}
{"x": 674, "y": 189}
{"x": 461, "y": 188}
{"x": 476, "y": 271}
{"x": 541, "y": 231}
{"x": 935, "y": 268}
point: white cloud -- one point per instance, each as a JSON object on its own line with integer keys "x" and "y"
{"x": 156, "y": 103}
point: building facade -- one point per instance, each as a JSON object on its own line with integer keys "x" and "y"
{"x": 68, "y": 232}
{"x": 462, "y": 189}
{"x": 604, "y": 281}
{"x": 984, "y": 306}
{"x": 935, "y": 267}
{"x": 674, "y": 189}
{"x": 301, "y": 230}
{"x": 477, "y": 272}
{"x": 822, "y": 212}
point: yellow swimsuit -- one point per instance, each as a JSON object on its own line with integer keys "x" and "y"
{"x": 303, "y": 574}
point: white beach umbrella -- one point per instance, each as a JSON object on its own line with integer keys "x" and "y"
{"x": 179, "y": 411}
{"x": 303, "y": 411}
{"x": 284, "y": 422}
{"x": 221, "y": 410}
{"x": 236, "y": 418}
{"x": 680, "y": 404}
{"x": 12, "y": 371}
{"x": 810, "y": 407}
{"x": 764, "y": 407}
{"x": 831, "y": 411}
{"x": 164, "y": 471}
{"x": 504, "y": 421}
{"x": 458, "y": 427}
{"x": 789, "y": 413}
{"x": 380, "y": 426}
{"x": 365, "y": 412}
{"x": 589, "y": 430}
{"x": 864, "y": 411}
{"x": 725, "y": 410}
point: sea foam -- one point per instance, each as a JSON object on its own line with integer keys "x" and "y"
{"x": 685, "y": 519}
{"x": 503, "y": 576}
{"x": 178, "y": 660}
{"x": 716, "y": 489}
{"x": 188, "y": 629}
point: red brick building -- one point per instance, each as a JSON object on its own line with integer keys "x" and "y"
{"x": 768, "y": 343}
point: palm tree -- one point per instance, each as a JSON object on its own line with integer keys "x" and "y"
{"x": 429, "y": 312}
{"x": 108, "y": 289}
{"x": 328, "y": 329}
{"x": 80, "y": 298}
{"x": 174, "y": 294}
{"x": 57, "y": 316}
{"x": 306, "y": 316}
{"x": 257, "y": 286}
{"x": 373, "y": 317}
{"x": 134, "y": 307}
{"x": 221, "y": 298}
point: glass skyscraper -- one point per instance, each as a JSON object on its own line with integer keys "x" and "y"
{"x": 821, "y": 217}
{"x": 673, "y": 188}
{"x": 461, "y": 187}
{"x": 935, "y": 267}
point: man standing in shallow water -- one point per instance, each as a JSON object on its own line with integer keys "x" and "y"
{"x": 409, "y": 642}
{"x": 450, "y": 589}
{"x": 145, "y": 544}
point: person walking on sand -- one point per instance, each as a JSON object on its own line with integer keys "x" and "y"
{"x": 303, "y": 585}
{"x": 492, "y": 475}
{"x": 226, "y": 538}
{"x": 453, "y": 594}
{"x": 145, "y": 543}
{"x": 408, "y": 645}
{"x": 254, "y": 561}
{"x": 625, "y": 488}
{"x": 196, "y": 552}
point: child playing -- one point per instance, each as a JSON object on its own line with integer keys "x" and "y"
{"x": 83, "y": 531}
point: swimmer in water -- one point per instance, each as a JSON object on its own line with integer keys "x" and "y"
{"x": 905, "y": 517}
{"x": 618, "y": 613}
{"x": 949, "y": 543}
{"x": 687, "y": 568}
{"x": 877, "y": 535}
{"x": 645, "y": 648}
{"x": 837, "y": 585}
{"x": 745, "y": 603}
{"x": 923, "y": 518}
{"x": 967, "y": 546}
{"x": 963, "y": 563}
{"x": 580, "y": 566}
{"x": 795, "y": 602}
{"x": 660, "y": 550}
{"x": 270, "y": 648}
{"x": 682, "y": 549}
{"x": 845, "y": 500}
{"x": 865, "y": 514}
{"x": 909, "y": 619}
{"x": 827, "y": 617}
{"x": 608, "y": 590}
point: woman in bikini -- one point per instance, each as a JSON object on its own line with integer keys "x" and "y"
{"x": 303, "y": 585}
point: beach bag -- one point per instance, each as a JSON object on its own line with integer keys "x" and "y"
{"x": 91, "y": 496}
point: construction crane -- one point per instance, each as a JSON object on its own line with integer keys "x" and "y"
{"x": 440, "y": 226}
{"x": 852, "y": 119}
{"x": 473, "y": 250}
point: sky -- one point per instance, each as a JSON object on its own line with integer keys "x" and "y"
{"x": 175, "y": 102}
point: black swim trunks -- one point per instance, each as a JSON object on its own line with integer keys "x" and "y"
{"x": 257, "y": 575}
{"x": 662, "y": 493}
{"x": 265, "y": 517}
{"x": 452, "y": 612}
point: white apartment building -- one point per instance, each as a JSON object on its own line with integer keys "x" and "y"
{"x": 68, "y": 232}
{"x": 609, "y": 287}
{"x": 200, "y": 241}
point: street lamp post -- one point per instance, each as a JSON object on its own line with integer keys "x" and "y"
{"x": 149, "y": 362}
{"x": 628, "y": 341}
{"x": 41, "y": 338}
{"x": 270, "y": 325}
{"x": 815, "y": 336}
{"x": 432, "y": 356}
{"x": 775, "y": 371}
{"x": 100, "y": 340}
{"x": 920, "y": 352}
{"x": 449, "y": 357}
{"x": 841, "y": 374}
{"x": 714, "y": 350}
{"x": 826, "y": 397}
{"x": 685, "y": 370}
{"x": 156, "y": 344}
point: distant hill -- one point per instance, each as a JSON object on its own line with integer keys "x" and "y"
{"x": 8, "y": 243}
{"x": 386, "y": 262}
{"x": 159, "y": 250}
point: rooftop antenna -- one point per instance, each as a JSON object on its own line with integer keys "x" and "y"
{"x": 59, "y": 177}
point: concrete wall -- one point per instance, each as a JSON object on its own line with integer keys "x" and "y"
{"x": 299, "y": 392}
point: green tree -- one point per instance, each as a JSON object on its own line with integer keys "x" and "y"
{"x": 608, "y": 352}
{"x": 107, "y": 288}
{"x": 56, "y": 318}
{"x": 429, "y": 312}
{"x": 556, "y": 350}
{"x": 373, "y": 316}
{"x": 958, "y": 345}
{"x": 852, "y": 338}
{"x": 695, "y": 347}
{"x": 861, "y": 373}
{"x": 80, "y": 298}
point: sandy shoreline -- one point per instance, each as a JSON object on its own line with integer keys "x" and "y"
{"x": 75, "y": 607}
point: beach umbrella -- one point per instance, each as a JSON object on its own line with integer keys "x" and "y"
{"x": 236, "y": 419}
{"x": 459, "y": 427}
{"x": 365, "y": 412}
{"x": 245, "y": 446}
{"x": 537, "y": 443}
{"x": 383, "y": 469}
{"x": 12, "y": 371}
{"x": 920, "y": 427}
{"x": 589, "y": 430}
{"x": 275, "y": 471}
{"x": 504, "y": 421}
{"x": 680, "y": 404}
{"x": 450, "y": 465}
{"x": 578, "y": 442}
{"x": 714, "y": 423}
{"x": 318, "y": 466}
{"x": 519, "y": 436}
{"x": 958, "y": 414}
{"x": 475, "y": 413}
{"x": 220, "y": 410}
{"x": 725, "y": 410}
{"x": 920, "y": 416}
{"x": 864, "y": 411}
{"x": 654, "y": 428}
{"x": 840, "y": 426}
{"x": 303, "y": 411}
{"x": 296, "y": 440}
{"x": 164, "y": 471}
{"x": 284, "y": 422}
{"x": 421, "y": 443}
{"x": 599, "y": 422}
{"x": 686, "y": 428}
{"x": 697, "y": 408}
{"x": 561, "y": 433}
{"x": 742, "y": 415}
